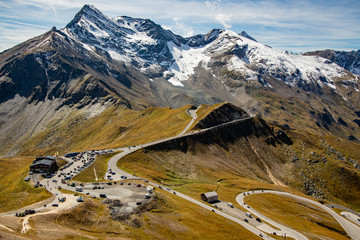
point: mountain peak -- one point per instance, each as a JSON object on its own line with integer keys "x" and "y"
{"x": 244, "y": 34}
{"x": 87, "y": 8}
{"x": 213, "y": 34}
{"x": 89, "y": 11}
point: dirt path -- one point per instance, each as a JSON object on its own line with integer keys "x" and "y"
{"x": 9, "y": 229}
{"x": 271, "y": 176}
{"x": 96, "y": 178}
{"x": 69, "y": 203}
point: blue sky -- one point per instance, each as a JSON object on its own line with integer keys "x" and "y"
{"x": 293, "y": 25}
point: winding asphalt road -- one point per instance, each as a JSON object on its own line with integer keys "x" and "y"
{"x": 349, "y": 227}
{"x": 352, "y": 229}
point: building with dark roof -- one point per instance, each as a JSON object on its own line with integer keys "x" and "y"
{"x": 210, "y": 197}
{"x": 45, "y": 164}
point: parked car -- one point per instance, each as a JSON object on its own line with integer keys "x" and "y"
{"x": 102, "y": 195}
{"x": 55, "y": 205}
{"x": 27, "y": 179}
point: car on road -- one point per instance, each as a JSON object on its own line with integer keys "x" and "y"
{"x": 230, "y": 205}
{"x": 55, "y": 205}
{"x": 138, "y": 203}
{"x": 102, "y": 195}
{"x": 27, "y": 179}
{"x": 258, "y": 219}
{"x": 80, "y": 199}
{"x": 246, "y": 220}
{"x": 248, "y": 214}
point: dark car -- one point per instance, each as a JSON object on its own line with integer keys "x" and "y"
{"x": 102, "y": 195}
{"x": 246, "y": 220}
{"x": 55, "y": 205}
{"x": 258, "y": 219}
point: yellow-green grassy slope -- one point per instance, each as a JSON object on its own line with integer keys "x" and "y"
{"x": 310, "y": 220}
{"x": 114, "y": 127}
{"x": 99, "y": 167}
{"x": 15, "y": 193}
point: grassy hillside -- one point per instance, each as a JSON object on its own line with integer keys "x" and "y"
{"x": 99, "y": 167}
{"x": 310, "y": 220}
{"x": 15, "y": 192}
{"x": 222, "y": 160}
{"x": 114, "y": 127}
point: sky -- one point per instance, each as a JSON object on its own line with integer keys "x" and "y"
{"x": 293, "y": 25}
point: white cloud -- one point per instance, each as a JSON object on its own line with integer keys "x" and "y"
{"x": 213, "y": 4}
{"x": 182, "y": 29}
{"x": 223, "y": 19}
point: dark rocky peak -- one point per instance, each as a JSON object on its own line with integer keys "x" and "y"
{"x": 196, "y": 41}
{"x": 89, "y": 12}
{"x": 212, "y": 35}
{"x": 244, "y": 34}
{"x": 203, "y": 39}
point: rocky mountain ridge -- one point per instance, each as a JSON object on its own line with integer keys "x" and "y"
{"x": 96, "y": 62}
{"x": 348, "y": 60}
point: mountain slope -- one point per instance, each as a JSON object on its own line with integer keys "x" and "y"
{"x": 348, "y": 60}
{"x": 97, "y": 62}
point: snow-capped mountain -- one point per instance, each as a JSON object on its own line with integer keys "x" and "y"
{"x": 160, "y": 53}
{"x": 348, "y": 60}
{"x": 134, "y": 62}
